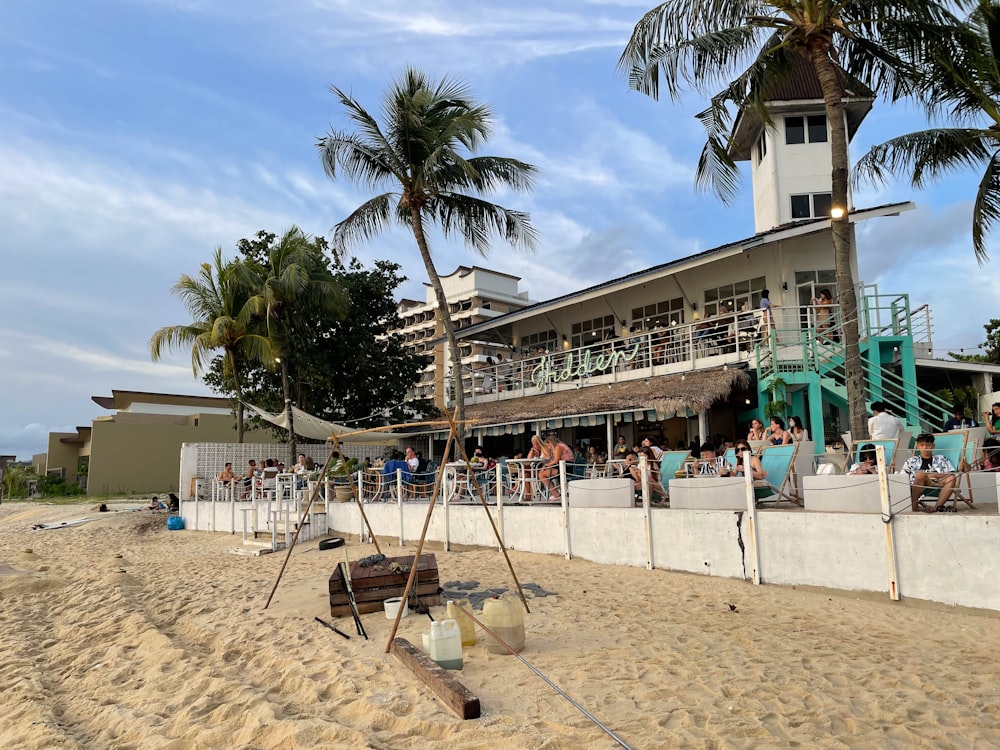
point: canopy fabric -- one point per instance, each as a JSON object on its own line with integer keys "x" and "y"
{"x": 308, "y": 426}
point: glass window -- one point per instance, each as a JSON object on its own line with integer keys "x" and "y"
{"x": 800, "y": 207}
{"x": 795, "y": 131}
{"x": 730, "y": 298}
{"x": 817, "y": 128}
{"x": 590, "y": 331}
{"x": 821, "y": 204}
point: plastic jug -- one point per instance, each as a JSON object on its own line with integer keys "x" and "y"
{"x": 466, "y": 627}
{"x": 504, "y": 616}
{"x": 446, "y": 644}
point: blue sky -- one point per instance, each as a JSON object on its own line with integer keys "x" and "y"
{"x": 138, "y": 135}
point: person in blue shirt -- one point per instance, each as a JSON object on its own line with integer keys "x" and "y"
{"x": 959, "y": 421}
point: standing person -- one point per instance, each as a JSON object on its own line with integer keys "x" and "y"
{"x": 824, "y": 317}
{"x": 799, "y": 433}
{"x": 929, "y": 473}
{"x": 882, "y": 425}
{"x": 488, "y": 375}
{"x": 620, "y": 447}
{"x": 767, "y": 319}
{"x": 993, "y": 419}
{"x": 248, "y": 478}
{"x": 757, "y": 431}
{"x": 558, "y": 451}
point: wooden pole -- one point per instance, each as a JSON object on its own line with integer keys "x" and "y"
{"x": 890, "y": 540}
{"x": 751, "y": 517}
{"x": 423, "y": 534}
{"x": 486, "y": 507}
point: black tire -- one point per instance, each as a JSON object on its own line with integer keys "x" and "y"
{"x": 331, "y": 543}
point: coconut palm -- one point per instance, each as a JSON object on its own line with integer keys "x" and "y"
{"x": 223, "y": 320}
{"x": 961, "y": 81}
{"x": 294, "y": 279}
{"x": 422, "y": 151}
{"x": 705, "y": 43}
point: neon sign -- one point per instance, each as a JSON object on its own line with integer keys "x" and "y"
{"x": 549, "y": 370}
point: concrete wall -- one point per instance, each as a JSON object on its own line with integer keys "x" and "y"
{"x": 953, "y": 559}
{"x": 59, "y": 455}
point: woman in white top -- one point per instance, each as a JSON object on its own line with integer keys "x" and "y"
{"x": 799, "y": 433}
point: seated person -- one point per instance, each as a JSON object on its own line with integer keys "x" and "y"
{"x": 226, "y": 476}
{"x": 990, "y": 460}
{"x": 959, "y": 421}
{"x": 269, "y": 476}
{"x": 155, "y": 504}
{"x": 175, "y": 503}
{"x": 761, "y": 489}
{"x": 930, "y": 473}
{"x": 398, "y": 461}
{"x": 867, "y": 464}
{"x": 710, "y": 465}
{"x": 252, "y": 473}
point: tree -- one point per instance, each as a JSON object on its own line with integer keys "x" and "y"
{"x": 347, "y": 369}
{"x": 292, "y": 280}
{"x": 991, "y": 346}
{"x": 703, "y": 43}
{"x": 422, "y": 150}
{"x": 222, "y": 319}
{"x": 961, "y": 81}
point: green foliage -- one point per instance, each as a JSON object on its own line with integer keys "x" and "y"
{"x": 16, "y": 479}
{"x": 964, "y": 397}
{"x": 56, "y": 486}
{"x": 991, "y": 346}
{"x": 341, "y": 368}
{"x": 776, "y": 406}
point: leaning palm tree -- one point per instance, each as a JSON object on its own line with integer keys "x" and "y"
{"x": 222, "y": 320}
{"x": 294, "y": 280}
{"x": 422, "y": 151}
{"x": 705, "y": 43}
{"x": 961, "y": 82}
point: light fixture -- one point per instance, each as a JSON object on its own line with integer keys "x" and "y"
{"x": 836, "y": 212}
{"x": 784, "y": 286}
{"x": 748, "y": 402}
{"x": 694, "y": 305}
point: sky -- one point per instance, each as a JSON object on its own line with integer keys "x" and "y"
{"x": 136, "y": 136}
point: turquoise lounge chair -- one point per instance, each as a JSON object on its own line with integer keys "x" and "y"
{"x": 777, "y": 461}
{"x": 955, "y": 446}
{"x": 670, "y": 463}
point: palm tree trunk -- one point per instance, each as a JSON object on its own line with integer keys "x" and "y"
{"x": 286, "y": 391}
{"x": 444, "y": 315}
{"x": 833, "y": 96}
{"x": 238, "y": 387}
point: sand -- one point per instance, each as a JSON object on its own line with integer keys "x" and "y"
{"x": 120, "y": 634}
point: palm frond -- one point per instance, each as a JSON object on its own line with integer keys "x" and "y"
{"x": 476, "y": 220}
{"x": 360, "y": 161}
{"x": 986, "y": 209}
{"x": 365, "y": 222}
{"x": 924, "y": 155}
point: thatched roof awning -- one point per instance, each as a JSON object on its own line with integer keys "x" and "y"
{"x": 666, "y": 394}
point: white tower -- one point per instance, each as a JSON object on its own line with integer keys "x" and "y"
{"x": 790, "y": 159}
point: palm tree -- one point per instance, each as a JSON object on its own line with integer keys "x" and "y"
{"x": 222, "y": 319}
{"x": 704, "y": 43}
{"x": 961, "y": 80}
{"x": 419, "y": 150}
{"x": 294, "y": 279}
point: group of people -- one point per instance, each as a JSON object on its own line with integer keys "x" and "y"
{"x": 776, "y": 433}
{"x": 264, "y": 475}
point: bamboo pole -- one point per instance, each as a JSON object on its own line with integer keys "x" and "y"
{"x": 423, "y": 535}
{"x": 486, "y": 507}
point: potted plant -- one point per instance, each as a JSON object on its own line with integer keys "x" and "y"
{"x": 777, "y": 406}
{"x": 342, "y": 473}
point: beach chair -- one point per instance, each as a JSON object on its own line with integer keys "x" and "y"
{"x": 777, "y": 461}
{"x": 955, "y": 447}
{"x": 670, "y": 463}
{"x": 890, "y": 453}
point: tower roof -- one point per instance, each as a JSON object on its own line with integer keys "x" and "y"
{"x": 798, "y": 90}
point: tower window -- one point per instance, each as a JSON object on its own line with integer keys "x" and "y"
{"x": 761, "y": 148}
{"x": 795, "y": 131}
{"x": 811, "y": 206}
{"x": 817, "y": 128}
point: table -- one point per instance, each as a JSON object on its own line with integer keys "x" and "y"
{"x": 456, "y": 477}
{"x": 526, "y": 483}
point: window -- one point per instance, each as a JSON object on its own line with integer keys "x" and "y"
{"x": 798, "y": 127}
{"x": 659, "y": 314}
{"x": 544, "y": 339}
{"x": 762, "y": 147}
{"x": 811, "y": 206}
{"x": 795, "y": 131}
{"x": 731, "y": 298}
{"x": 591, "y": 331}
{"x": 817, "y": 128}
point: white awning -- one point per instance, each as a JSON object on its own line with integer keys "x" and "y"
{"x": 308, "y": 426}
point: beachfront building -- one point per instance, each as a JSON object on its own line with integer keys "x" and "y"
{"x": 475, "y": 295}
{"x": 684, "y": 350}
{"x": 137, "y": 448}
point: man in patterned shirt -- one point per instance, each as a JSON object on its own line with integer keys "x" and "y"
{"x": 931, "y": 474}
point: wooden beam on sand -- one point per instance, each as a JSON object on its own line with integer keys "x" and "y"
{"x": 452, "y": 693}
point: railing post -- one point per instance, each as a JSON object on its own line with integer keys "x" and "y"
{"x": 647, "y": 513}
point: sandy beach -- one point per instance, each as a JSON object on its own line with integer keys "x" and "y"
{"x": 120, "y": 634}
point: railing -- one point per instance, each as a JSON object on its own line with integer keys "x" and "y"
{"x": 724, "y": 339}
